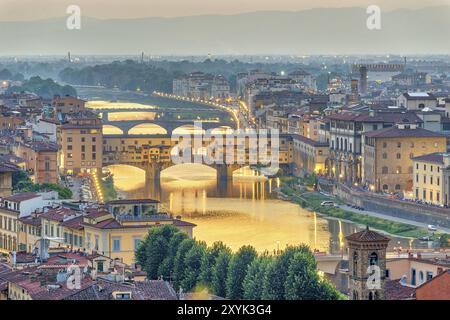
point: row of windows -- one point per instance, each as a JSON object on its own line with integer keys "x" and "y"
{"x": 83, "y": 139}
{"x": 432, "y": 180}
{"x": 8, "y": 224}
{"x": 431, "y": 167}
{"x": 398, "y": 170}
{"x": 430, "y": 193}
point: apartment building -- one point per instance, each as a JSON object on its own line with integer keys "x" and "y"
{"x": 202, "y": 86}
{"x": 417, "y": 101}
{"x": 41, "y": 160}
{"x": 388, "y": 155}
{"x": 81, "y": 143}
{"x": 309, "y": 156}
{"x": 67, "y": 104}
{"x": 432, "y": 178}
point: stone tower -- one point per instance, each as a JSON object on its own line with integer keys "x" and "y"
{"x": 367, "y": 260}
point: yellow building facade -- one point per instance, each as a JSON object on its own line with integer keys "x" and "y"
{"x": 388, "y": 156}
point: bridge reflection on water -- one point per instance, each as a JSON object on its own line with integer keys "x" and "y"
{"x": 242, "y": 211}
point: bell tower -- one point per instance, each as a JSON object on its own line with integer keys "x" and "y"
{"x": 367, "y": 265}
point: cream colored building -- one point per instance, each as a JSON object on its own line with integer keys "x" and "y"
{"x": 388, "y": 155}
{"x": 8, "y": 230}
{"x": 415, "y": 270}
{"x": 310, "y": 156}
{"x": 431, "y": 178}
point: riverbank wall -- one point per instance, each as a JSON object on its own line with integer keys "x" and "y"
{"x": 394, "y": 207}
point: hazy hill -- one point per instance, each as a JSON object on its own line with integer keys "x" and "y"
{"x": 316, "y": 31}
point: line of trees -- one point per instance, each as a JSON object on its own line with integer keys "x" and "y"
{"x": 169, "y": 253}
{"x": 46, "y": 88}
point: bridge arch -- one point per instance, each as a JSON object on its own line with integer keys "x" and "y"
{"x": 188, "y": 129}
{"x": 147, "y": 128}
{"x": 112, "y": 130}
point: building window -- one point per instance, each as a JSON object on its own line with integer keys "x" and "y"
{"x": 399, "y": 155}
{"x": 399, "y": 144}
{"x": 373, "y": 259}
{"x": 136, "y": 240}
{"x": 384, "y": 170}
{"x": 384, "y": 144}
{"x": 385, "y": 187}
{"x": 116, "y": 244}
{"x": 355, "y": 263}
{"x": 385, "y": 155}
{"x": 397, "y": 187}
{"x": 431, "y": 180}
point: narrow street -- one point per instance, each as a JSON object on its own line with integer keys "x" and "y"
{"x": 391, "y": 218}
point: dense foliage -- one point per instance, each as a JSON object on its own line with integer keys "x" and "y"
{"x": 170, "y": 254}
{"x": 127, "y": 75}
{"x": 46, "y": 88}
{"x": 22, "y": 183}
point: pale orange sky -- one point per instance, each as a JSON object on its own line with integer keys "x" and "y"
{"x": 39, "y": 9}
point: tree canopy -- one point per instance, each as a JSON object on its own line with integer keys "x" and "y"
{"x": 169, "y": 253}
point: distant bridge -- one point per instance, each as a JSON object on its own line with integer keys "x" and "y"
{"x": 168, "y": 125}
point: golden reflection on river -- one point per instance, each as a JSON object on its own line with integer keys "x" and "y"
{"x": 249, "y": 218}
{"x": 242, "y": 212}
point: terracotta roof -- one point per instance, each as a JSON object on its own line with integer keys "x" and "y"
{"x": 8, "y": 167}
{"x": 146, "y": 290}
{"x": 34, "y": 220}
{"x": 394, "y": 290}
{"x": 30, "y": 280}
{"x": 367, "y": 235}
{"x": 18, "y": 197}
{"x": 309, "y": 141}
{"x": 59, "y": 213}
{"x": 437, "y": 157}
{"x": 394, "y": 132}
{"x": 74, "y": 223}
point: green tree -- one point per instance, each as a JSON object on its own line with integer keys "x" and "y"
{"x": 237, "y": 271}
{"x": 153, "y": 250}
{"x": 209, "y": 260}
{"x": 179, "y": 261}
{"x": 166, "y": 267}
{"x": 220, "y": 272}
{"x": 254, "y": 279}
{"x": 192, "y": 263}
{"x": 303, "y": 281}
{"x": 277, "y": 272}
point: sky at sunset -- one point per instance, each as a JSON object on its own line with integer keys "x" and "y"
{"x": 13, "y": 10}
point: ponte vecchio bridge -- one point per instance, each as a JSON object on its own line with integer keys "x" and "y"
{"x": 154, "y": 152}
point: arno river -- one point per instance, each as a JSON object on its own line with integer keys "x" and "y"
{"x": 242, "y": 211}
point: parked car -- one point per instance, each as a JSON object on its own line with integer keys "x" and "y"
{"x": 432, "y": 228}
{"x": 425, "y": 238}
{"x": 328, "y": 204}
